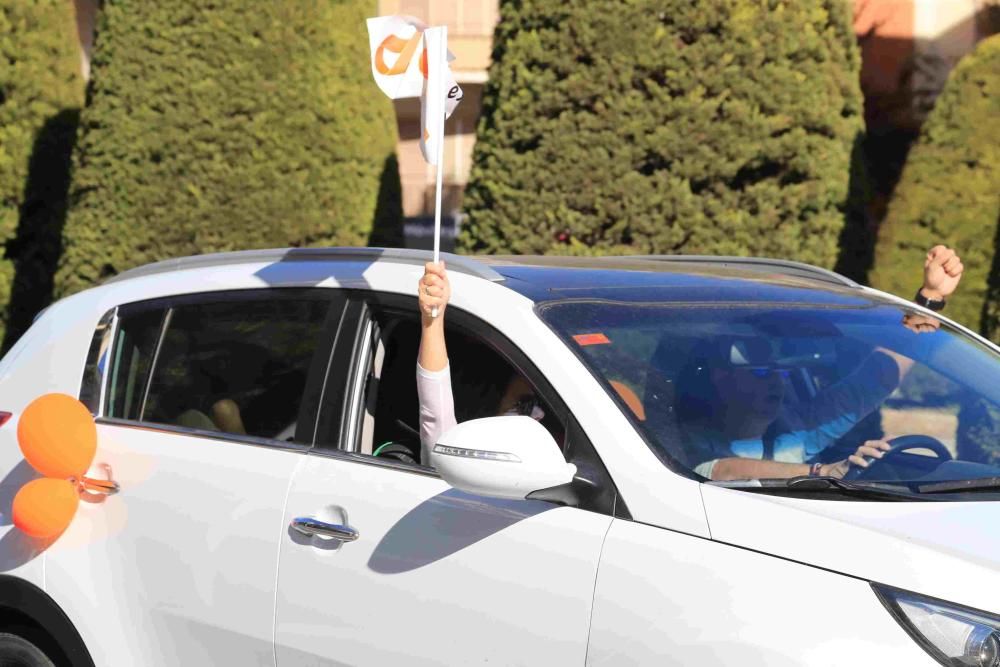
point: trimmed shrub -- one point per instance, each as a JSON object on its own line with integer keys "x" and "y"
{"x": 41, "y": 91}
{"x": 950, "y": 193}
{"x": 228, "y": 125}
{"x": 666, "y": 126}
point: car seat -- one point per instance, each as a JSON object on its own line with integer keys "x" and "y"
{"x": 392, "y": 393}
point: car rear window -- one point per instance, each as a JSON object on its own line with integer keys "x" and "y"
{"x": 235, "y": 366}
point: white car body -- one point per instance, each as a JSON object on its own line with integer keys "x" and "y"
{"x": 193, "y": 562}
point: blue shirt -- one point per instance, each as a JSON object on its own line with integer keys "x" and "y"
{"x": 807, "y": 428}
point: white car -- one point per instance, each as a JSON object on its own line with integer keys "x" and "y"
{"x": 258, "y": 412}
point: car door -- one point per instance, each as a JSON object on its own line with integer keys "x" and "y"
{"x": 423, "y": 573}
{"x": 207, "y": 405}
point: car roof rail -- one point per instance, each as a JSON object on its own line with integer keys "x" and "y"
{"x": 455, "y": 263}
{"x": 782, "y": 266}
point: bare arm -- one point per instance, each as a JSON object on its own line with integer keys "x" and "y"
{"x": 738, "y": 468}
{"x": 434, "y": 291}
{"x": 226, "y": 415}
{"x": 942, "y": 272}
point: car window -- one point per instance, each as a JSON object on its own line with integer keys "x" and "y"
{"x": 374, "y": 417}
{"x": 793, "y": 384}
{"x": 97, "y": 361}
{"x": 132, "y": 357}
{"x": 484, "y": 384}
{"x": 232, "y": 365}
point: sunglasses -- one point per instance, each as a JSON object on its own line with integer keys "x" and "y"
{"x": 764, "y": 372}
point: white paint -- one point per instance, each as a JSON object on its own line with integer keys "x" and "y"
{"x": 437, "y": 576}
{"x": 944, "y": 550}
{"x": 184, "y": 556}
{"x": 944, "y": 32}
{"x": 664, "y": 598}
{"x": 501, "y": 457}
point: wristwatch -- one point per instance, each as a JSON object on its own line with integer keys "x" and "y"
{"x": 932, "y": 304}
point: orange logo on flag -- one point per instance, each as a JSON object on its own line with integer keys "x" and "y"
{"x": 405, "y": 48}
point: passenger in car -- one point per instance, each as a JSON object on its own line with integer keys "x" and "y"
{"x": 437, "y": 404}
{"x": 736, "y": 424}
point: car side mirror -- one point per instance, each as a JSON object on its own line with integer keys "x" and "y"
{"x": 501, "y": 457}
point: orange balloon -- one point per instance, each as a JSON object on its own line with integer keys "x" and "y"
{"x": 57, "y": 436}
{"x": 44, "y": 507}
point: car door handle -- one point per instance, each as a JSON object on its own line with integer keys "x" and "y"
{"x": 309, "y": 526}
{"x": 108, "y": 487}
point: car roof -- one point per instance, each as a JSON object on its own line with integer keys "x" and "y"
{"x": 684, "y": 278}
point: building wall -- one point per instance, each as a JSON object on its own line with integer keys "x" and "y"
{"x": 908, "y": 48}
{"x": 86, "y": 24}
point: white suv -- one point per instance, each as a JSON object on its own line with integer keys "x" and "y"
{"x": 299, "y": 527}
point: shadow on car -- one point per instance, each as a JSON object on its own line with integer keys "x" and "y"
{"x": 445, "y": 524}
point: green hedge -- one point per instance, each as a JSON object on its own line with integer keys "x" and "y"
{"x": 667, "y": 126}
{"x": 950, "y": 193}
{"x": 41, "y": 91}
{"x": 229, "y": 125}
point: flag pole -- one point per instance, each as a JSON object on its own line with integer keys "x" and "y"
{"x": 440, "y": 59}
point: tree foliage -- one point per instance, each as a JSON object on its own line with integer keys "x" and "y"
{"x": 41, "y": 91}
{"x": 228, "y": 125}
{"x": 667, "y": 126}
{"x": 950, "y": 193}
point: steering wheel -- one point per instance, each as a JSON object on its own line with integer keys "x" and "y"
{"x": 899, "y": 445}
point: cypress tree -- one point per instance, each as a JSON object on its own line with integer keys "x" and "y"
{"x": 41, "y": 91}
{"x": 228, "y": 125}
{"x": 666, "y": 126}
{"x": 949, "y": 193}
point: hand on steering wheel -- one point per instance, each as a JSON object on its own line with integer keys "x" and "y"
{"x": 872, "y": 450}
{"x": 885, "y": 451}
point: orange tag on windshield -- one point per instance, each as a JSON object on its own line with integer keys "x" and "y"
{"x": 591, "y": 339}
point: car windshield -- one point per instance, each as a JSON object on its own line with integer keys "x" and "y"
{"x": 796, "y": 383}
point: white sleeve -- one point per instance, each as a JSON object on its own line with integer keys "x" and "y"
{"x": 437, "y": 407}
{"x": 707, "y": 468}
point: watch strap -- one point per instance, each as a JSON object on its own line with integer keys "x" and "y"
{"x": 932, "y": 304}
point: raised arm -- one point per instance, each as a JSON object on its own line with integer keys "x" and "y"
{"x": 835, "y": 410}
{"x": 434, "y": 292}
{"x": 437, "y": 405}
{"x": 942, "y": 272}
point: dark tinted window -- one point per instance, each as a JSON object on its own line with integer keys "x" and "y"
{"x": 237, "y": 365}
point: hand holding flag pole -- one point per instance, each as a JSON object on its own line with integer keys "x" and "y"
{"x": 428, "y": 77}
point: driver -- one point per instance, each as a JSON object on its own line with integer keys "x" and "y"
{"x": 737, "y": 426}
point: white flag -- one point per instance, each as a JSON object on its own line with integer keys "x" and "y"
{"x": 411, "y": 60}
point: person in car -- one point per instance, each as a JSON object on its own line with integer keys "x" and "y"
{"x": 437, "y": 404}
{"x": 736, "y": 424}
